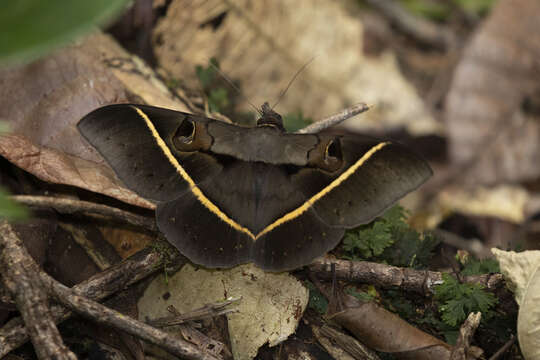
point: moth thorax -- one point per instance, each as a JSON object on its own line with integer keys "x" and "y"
{"x": 270, "y": 118}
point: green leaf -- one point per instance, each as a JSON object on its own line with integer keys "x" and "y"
{"x": 389, "y": 238}
{"x": 207, "y": 75}
{"x": 9, "y": 209}
{"x": 458, "y": 300}
{"x": 475, "y": 7}
{"x": 428, "y": 9}
{"x": 296, "y": 121}
{"x": 29, "y": 28}
{"x": 479, "y": 267}
{"x": 317, "y": 301}
{"x": 4, "y": 127}
{"x": 360, "y": 295}
{"x": 218, "y": 99}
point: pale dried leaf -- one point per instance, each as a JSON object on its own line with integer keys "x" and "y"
{"x": 271, "y": 303}
{"x": 59, "y": 168}
{"x": 264, "y": 43}
{"x": 498, "y": 71}
{"x": 504, "y": 201}
{"x": 523, "y": 271}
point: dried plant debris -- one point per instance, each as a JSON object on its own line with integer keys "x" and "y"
{"x": 506, "y": 202}
{"x": 497, "y": 74}
{"x": 269, "y": 310}
{"x": 44, "y": 100}
{"x": 263, "y": 44}
{"x": 59, "y": 168}
{"x": 523, "y": 271}
{"x": 384, "y": 331}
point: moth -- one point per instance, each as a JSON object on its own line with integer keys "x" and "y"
{"x": 229, "y": 194}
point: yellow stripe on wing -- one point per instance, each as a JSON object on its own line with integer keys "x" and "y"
{"x": 219, "y": 213}
{"x": 193, "y": 187}
{"x": 305, "y": 206}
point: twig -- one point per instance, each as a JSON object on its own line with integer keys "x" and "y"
{"x": 474, "y": 246}
{"x": 99, "y": 286}
{"x": 346, "y": 342}
{"x": 20, "y": 276}
{"x": 387, "y": 276}
{"x": 104, "y": 315}
{"x": 503, "y": 349}
{"x": 422, "y": 30}
{"x": 334, "y": 119}
{"x": 70, "y": 206}
{"x": 94, "y": 254}
{"x": 207, "y": 311}
{"x": 466, "y": 332}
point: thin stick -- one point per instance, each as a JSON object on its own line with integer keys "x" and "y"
{"x": 466, "y": 333}
{"x": 386, "y": 276}
{"x": 98, "y": 287}
{"x": 422, "y": 30}
{"x": 334, "y": 119}
{"x": 503, "y": 349}
{"x": 20, "y": 275}
{"x": 207, "y": 311}
{"x": 71, "y": 206}
{"x": 103, "y": 315}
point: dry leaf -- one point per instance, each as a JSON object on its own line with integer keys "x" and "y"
{"x": 523, "y": 271}
{"x": 269, "y": 311}
{"x": 44, "y": 100}
{"x": 264, "y": 43}
{"x": 384, "y": 331}
{"x": 498, "y": 71}
{"x": 56, "y": 167}
{"x": 504, "y": 202}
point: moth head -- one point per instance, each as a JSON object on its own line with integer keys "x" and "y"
{"x": 327, "y": 155}
{"x": 191, "y": 135}
{"x": 270, "y": 118}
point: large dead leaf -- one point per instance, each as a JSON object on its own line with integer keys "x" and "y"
{"x": 384, "y": 331}
{"x": 269, "y": 311}
{"x": 523, "y": 271}
{"x": 59, "y": 168}
{"x": 44, "y": 100}
{"x": 263, "y": 43}
{"x": 498, "y": 71}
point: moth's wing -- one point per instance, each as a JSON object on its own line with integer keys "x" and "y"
{"x": 373, "y": 177}
{"x": 136, "y": 141}
{"x": 295, "y": 243}
{"x": 246, "y": 198}
{"x": 201, "y": 235}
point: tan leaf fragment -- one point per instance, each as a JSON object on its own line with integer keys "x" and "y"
{"x": 56, "y": 167}
{"x": 271, "y": 303}
{"x": 506, "y": 202}
{"x": 523, "y": 271}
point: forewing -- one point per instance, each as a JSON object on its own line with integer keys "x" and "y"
{"x": 136, "y": 141}
{"x": 373, "y": 177}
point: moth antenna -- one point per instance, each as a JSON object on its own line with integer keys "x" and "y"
{"x": 231, "y": 83}
{"x": 291, "y": 81}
